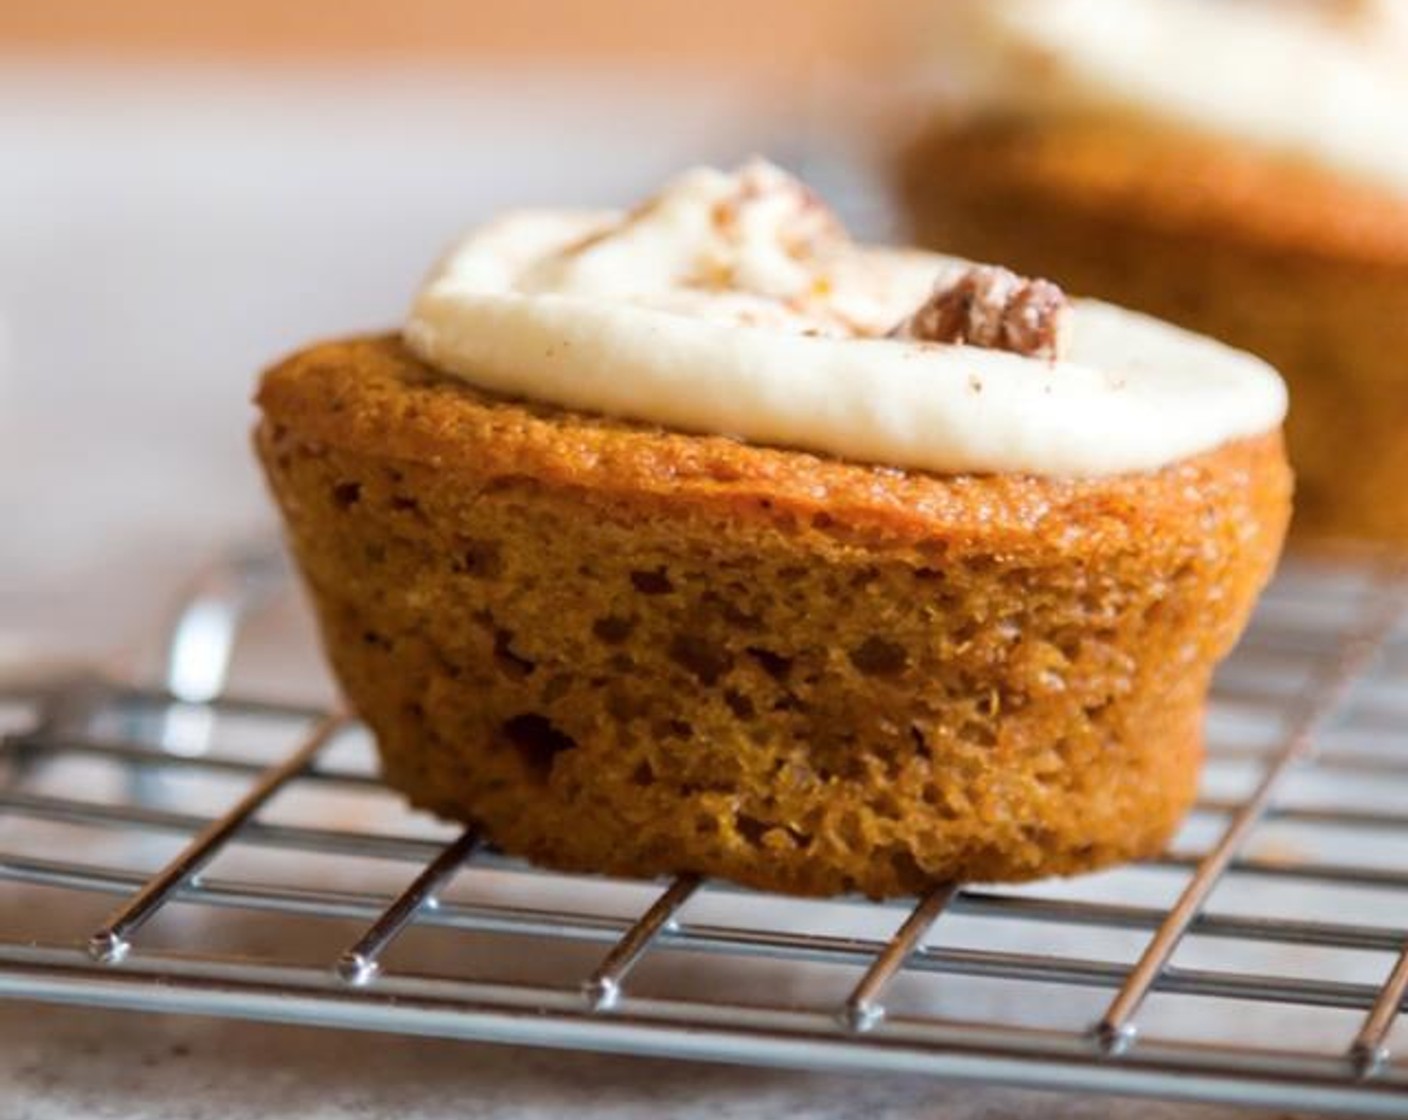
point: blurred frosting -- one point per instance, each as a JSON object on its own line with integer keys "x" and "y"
{"x": 1323, "y": 79}
{"x": 736, "y": 304}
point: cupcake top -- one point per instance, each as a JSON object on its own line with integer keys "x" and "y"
{"x": 737, "y": 304}
{"x": 1322, "y": 80}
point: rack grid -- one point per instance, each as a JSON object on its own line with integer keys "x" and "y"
{"x": 1263, "y": 960}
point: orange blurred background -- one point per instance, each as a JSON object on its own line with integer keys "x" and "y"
{"x": 778, "y": 38}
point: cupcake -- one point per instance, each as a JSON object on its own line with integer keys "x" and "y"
{"x": 700, "y": 538}
{"x": 1238, "y": 168}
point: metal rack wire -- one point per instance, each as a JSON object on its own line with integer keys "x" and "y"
{"x": 1285, "y": 898}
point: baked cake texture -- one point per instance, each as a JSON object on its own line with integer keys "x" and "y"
{"x": 636, "y": 651}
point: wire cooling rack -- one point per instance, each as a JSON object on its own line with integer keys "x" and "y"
{"x": 179, "y": 849}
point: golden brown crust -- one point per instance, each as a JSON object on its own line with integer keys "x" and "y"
{"x": 632, "y": 651}
{"x": 1292, "y": 263}
{"x": 370, "y": 396}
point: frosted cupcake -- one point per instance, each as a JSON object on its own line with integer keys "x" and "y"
{"x": 701, "y": 538}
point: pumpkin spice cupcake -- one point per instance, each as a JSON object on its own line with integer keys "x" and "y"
{"x": 1237, "y": 168}
{"x": 700, "y": 538}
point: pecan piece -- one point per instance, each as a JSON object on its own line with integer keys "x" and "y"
{"x": 996, "y": 309}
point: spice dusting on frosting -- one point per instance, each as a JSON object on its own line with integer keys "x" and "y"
{"x": 771, "y": 208}
{"x": 737, "y": 304}
{"x": 996, "y": 309}
{"x": 757, "y": 248}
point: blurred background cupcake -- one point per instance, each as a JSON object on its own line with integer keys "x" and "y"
{"x": 1237, "y": 166}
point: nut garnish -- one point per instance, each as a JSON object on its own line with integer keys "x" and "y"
{"x": 996, "y": 309}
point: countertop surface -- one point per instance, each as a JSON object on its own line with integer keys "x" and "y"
{"x": 65, "y": 1065}
{"x": 162, "y": 236}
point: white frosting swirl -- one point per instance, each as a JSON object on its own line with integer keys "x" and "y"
{"x": 735, "y": 304}
{"x": 1324, "y": 80}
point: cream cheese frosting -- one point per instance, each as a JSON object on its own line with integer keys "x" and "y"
{"x": 736, "y": 304}
{"x": 1323, "y": 80}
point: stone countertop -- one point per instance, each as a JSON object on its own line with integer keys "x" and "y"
{"x": 65, "y": 1064}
